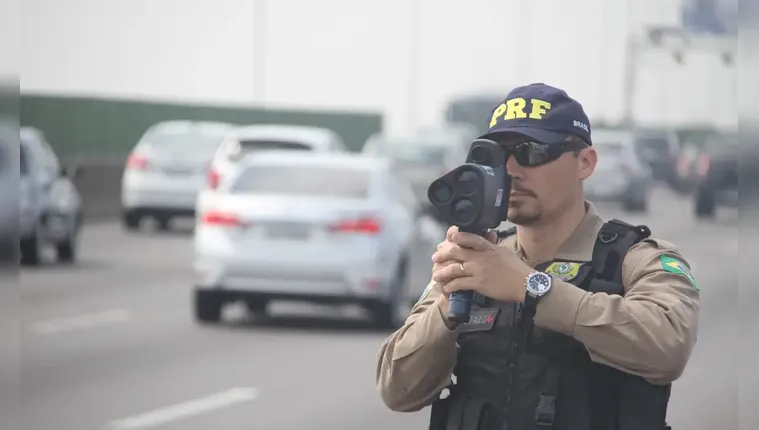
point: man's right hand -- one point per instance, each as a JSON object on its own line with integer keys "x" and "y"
{"x": 492, "y": 236}
{"x": 443, "y": 301}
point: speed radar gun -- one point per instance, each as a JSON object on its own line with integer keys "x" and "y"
{"x": 474, "y": 197}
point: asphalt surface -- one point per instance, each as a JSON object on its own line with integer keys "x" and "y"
{"x": 109, "y": 343}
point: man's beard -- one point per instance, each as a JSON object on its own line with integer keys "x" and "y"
{"x": 519, "y": 213}
{"x": 520, "y": 216}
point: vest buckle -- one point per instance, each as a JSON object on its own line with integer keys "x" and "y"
{"x": 607, "y": 237}
{"x": 545, "y": 412}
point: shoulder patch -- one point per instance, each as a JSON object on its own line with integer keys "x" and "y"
{"x": 565, "y": 271}
{"x": 676, "y": 266}
{"x": 426, "y": 291}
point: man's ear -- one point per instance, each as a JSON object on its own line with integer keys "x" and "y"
{"x": 587, "y": 162}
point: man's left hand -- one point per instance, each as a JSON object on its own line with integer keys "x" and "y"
{"x": 491, "y": 270}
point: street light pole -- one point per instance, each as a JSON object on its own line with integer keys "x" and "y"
{"x": 629, "y": 84}
{"x": 630, "y": 81}
{"x": 413, "y": 63}
{"x": 259, "y": 50}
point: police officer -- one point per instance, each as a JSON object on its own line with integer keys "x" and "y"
{"x": 577, "y": 323}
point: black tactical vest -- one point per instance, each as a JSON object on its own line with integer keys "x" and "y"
{"x": 511, "y": 375}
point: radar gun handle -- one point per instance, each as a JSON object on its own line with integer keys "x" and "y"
{"x": 460, "y": 302}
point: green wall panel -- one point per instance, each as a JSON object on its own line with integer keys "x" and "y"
{"x": 101, "y": 129}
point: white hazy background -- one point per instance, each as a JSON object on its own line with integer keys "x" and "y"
{"x": 405, "y": 58}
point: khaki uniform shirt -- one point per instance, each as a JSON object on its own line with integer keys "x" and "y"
{"x": 650, "y": 332}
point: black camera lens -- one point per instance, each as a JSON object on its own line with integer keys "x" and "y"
{"x": 463, "y": 211}
{"x": 441, "y": 192}
{"x": 466, "y": 183}
{"x": 480, "y": 155}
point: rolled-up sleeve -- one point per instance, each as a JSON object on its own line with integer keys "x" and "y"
{"x": 651, "y": 331}
{"x": 416, "y": 362}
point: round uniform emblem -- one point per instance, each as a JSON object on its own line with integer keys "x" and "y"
{"x": 566, "y": 271}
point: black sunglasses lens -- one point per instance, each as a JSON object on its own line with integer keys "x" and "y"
{"x": 532, "y": 154}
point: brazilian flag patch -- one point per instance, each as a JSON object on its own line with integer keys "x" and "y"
{"x": 672, "y": 265}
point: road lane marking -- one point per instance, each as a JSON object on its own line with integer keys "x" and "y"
{"x": 186, "y": 410}
{"x": 80, "y": 322}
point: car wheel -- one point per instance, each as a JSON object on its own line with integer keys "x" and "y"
{"x": 705, "y": 203}
{"x": 208, "y": 307}
{"x": 66, "y": 250}
{"x": 257, "y": 307}
{"x": 131, "y": 221}
{"x": 164, "y": 223}
{"x": 30, "y": 251}
{"x": 392, "y": 314}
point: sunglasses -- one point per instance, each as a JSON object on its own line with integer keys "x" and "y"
{"x": 534, "y": 154}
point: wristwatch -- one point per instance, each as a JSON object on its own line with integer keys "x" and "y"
{"x": 537, "y": 284}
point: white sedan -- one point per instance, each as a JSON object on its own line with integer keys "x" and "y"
{"x": 259, "y": 137}
{"x": 322, "y": 228}
{"x": 166, "y": 170}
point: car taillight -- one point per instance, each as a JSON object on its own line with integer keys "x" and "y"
{"x": 683, "y": 166}
{"x": 702, "y": 165}
{"x": 136, "y": 162}
{"x": 213, "y": 179}
{"x": 222, "y": 219}
{"x": 361, "y": 225}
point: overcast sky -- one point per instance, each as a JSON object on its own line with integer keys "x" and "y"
{"x": 357, "y": 54}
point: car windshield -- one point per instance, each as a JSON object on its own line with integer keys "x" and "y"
{"x": 324, "y": 181}
{"x": 654, "y": 143}
{"x": 412, "y": 152}
{"x": 197, "y": 143}
{"x": 251, "y": 145}
{"x": 476, "y": 112}
{"x": 609, "y": 148}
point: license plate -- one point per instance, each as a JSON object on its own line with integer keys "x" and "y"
{"x": 288, "y": 231}
{"x": 178, "y": 171}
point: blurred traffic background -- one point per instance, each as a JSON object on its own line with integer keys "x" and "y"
{"x": 223, "y": 204}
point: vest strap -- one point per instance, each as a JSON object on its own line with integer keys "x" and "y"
{"x": 614, "y": 240}
{"x": 545, "y": 414}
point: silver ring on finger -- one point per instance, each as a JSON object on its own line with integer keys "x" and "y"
{"x": 461, "y": 266}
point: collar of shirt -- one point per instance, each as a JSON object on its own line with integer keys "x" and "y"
{"x": 579, "y": 245}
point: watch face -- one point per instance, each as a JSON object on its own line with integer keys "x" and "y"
{"x": 539, "y": 283}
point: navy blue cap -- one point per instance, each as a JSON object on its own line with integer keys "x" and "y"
{"x": 540, "y": 112}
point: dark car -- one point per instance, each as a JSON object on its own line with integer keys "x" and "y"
{"x": 659, "y": 149}
{"x": 50, "y": 207}
{"x": 718, "y": 176}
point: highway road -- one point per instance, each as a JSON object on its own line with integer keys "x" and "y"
{"x": 109, "y": 344}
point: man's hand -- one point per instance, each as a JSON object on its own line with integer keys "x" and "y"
{"x": 490, "y": 270}
{"x": 448, "y": 242}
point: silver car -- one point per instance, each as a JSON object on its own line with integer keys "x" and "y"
{"x": 50, "y": 206}
{"x": 166, "y": 170}
{"x": 620, "y": 174}
{"x": 323, "y": 228}
{"x": 252, "y": 138}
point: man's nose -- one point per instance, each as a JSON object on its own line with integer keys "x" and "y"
{"x": 514, "y": 168}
